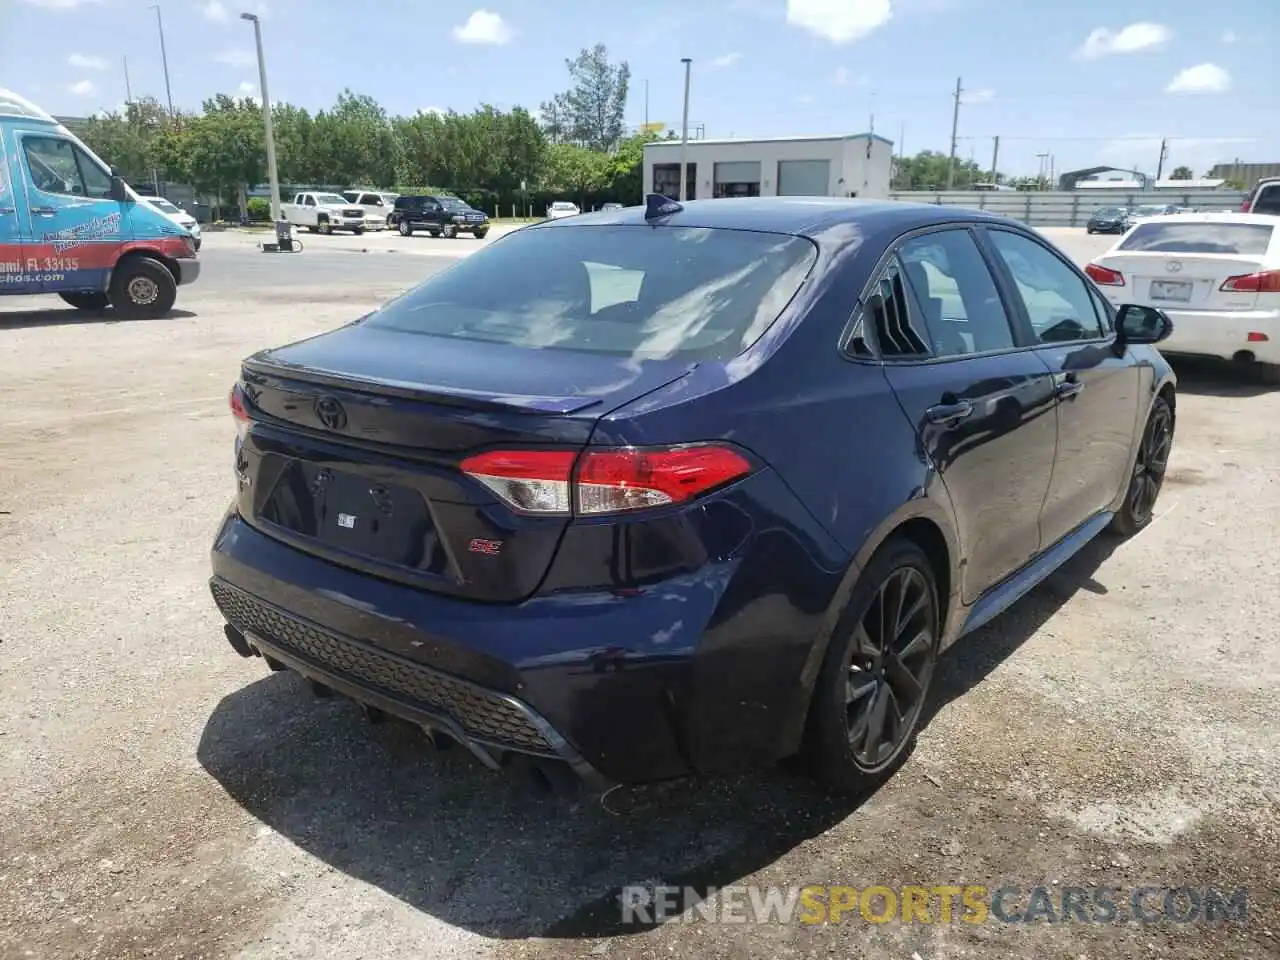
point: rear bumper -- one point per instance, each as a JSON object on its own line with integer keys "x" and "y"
{"x": 624, "y": 689}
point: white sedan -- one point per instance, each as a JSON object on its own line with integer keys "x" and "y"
{"x": 180, "y": 217}
{"x": 1216, "y": 275}
{"x": 561, "y": 209}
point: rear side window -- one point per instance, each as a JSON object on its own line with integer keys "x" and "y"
{"x": 894, "y": 317}
{"x": 958, "y": 298}
{"x": 642, "y": 292}
{"x": 1233, "y": 238}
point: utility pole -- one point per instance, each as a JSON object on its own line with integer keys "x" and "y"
{"x": 684, "y": 131}
{"x": 128, "y": 92}
{"x": 995, "y": 157}
{"x": 1164, "y": 152}
{"x": 955, "y": 124}
{"x": 272, "y": 176}
{"x": 164, "y": 58}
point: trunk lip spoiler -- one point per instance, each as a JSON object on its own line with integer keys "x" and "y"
{"x": 457, "y": 396}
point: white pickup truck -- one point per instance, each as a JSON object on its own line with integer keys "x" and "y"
{"x": 323, "y": 213}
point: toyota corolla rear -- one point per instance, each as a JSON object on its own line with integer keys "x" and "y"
{"x": 432, "y": 519}
{"x": 1217, "y": 276}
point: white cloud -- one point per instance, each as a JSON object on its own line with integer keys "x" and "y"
{"x": 840, "y": 21}
{"x": 977, "y": 96}
{"x": 236, "y": 57}
{"x": 60, "y": 4}
{"x": 1196, "y": 152}
{"x": 728, "y": 60}
{"x": 250, "y": 90}
{"x": 216, "y": 11}
{"x": 81, "y": 62}
{"x": 83, "y": 88}
{"x": 483, "y": 26}
{"x": 1229, "y": 36}
{"x": 432, "y": 111}
{"x": 1202, "y": 78}
{"x": 1104, "y": 42}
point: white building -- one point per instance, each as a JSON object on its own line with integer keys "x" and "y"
{"x": 860, "y": 165}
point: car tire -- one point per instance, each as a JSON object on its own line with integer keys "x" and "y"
{"x": 481, "y": 234}
{"x": 1149, "y": 467}
{"x": 405, "y": 228}
{"x": 87, "y": 300}
{"x": 142, "y": 288}
{"x": 1269, "y": 373}
{"x": 1090, "y": 230}
{"x": 358, "y": 231}
{"x": 390, "y": 224}
{"x": 875, "y": 666}
{"x": 324, "y": 227}
{"x": 448, "y": 231}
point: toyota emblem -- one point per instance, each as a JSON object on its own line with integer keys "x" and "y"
{"x": 331, "y": 413}
{"x": 1173, "y": 266}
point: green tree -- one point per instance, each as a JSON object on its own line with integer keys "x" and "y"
{"x": 576, "y": 171}
{"x": 135, "y": 142}
{"x": 590, "y": 113}
{"x": 226, "y": 148}
{"x": 1181, "y": 173}
{"x": 927, "y": 170}
{"x": 626, "y": 168}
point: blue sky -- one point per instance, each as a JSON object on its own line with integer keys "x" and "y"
{"x": 1089, "y": 81}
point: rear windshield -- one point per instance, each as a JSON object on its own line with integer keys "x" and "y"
{"x": 1109, "y": 212}
{"x": 635, "y": 291}
{"x": 1156, "y": 237}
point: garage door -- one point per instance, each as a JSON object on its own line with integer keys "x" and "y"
{"x": 803, "y": 178}
{"x": 738, "y": 171}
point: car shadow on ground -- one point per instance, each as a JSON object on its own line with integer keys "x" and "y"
{"x": 487, "y": 853}
{"x": 1208, "y": 377}
{"x": 23, "y": 319}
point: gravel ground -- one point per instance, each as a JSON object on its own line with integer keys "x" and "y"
{"x": 161, "y": 797}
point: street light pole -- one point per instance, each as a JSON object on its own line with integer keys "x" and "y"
{"x": 266, "y": 117}
{"x": 164, "y": 57}
{"x": 684, "y": 132}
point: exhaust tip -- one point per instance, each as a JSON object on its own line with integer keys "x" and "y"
{"x": 238, "y": 642}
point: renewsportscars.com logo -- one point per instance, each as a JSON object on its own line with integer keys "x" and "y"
{"x": 943, "y": 903}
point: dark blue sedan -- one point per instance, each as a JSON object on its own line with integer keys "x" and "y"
{"x": 677, "y": 490}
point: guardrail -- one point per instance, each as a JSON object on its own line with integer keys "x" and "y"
{"x": 1070, "y": 208}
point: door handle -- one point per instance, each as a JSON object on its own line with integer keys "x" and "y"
{"x": 1068, "y": 388}
{"x": 949, "y": 413}
{"x": 44, "y": 211}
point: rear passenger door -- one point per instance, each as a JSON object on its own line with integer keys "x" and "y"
{"x": 1097, "y": 392}
{"x": 981, "y": 403}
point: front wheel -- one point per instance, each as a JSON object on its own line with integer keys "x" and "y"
{"x": 876, "y": 675}
{"x": 358, "y": 231}
{"x": 448, "y": 231}
{"x": 142, "y": 289}
{"x": 1090, "y": 230}
{"x": 405, "y": 229}
{"x": 87, "y": 300}
{"x": 481, "y": 234}
{"x": 1148, "y": 471}
{"x": 324, "y": 227}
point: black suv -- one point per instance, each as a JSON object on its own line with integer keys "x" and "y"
{"x": 438, "y": 216}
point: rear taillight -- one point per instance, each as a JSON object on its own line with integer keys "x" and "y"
{"x": 1268, "y": 281}
{"x": 614, "y": 480}
{"x": 239, "y": 410}
{"x": 1244, "y": 207}
{"x": 1104, "y": 276}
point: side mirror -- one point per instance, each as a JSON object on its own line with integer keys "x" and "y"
{"x": 119, "y": 191}
{"x": 1139, "y": 324}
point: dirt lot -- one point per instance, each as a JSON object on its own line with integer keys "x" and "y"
{"x": 160, "y": 797}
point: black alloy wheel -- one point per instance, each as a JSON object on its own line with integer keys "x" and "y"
{"x": 877, "y": 673}
{"x": 1149, "y": 468}
{"x": 890, "y": 666}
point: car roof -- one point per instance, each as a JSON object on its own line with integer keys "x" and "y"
{"x": 800, "y": 216}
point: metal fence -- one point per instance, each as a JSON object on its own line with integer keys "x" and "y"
{"x": 1071, "y": 208}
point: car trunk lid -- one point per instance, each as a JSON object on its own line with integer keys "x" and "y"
{"x": 1185, "y": 281}
{"x": 358, "y": 436}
